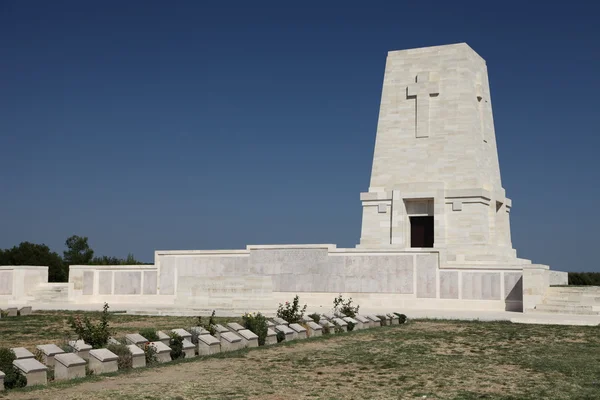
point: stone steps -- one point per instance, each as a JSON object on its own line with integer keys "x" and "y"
{"x": 51, "y": 293}
{"x": 567, "y": 309}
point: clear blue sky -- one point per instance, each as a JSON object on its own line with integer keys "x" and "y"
{"x": 151, "y": 125}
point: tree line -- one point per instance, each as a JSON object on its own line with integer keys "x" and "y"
{"x": 78, "y": 252}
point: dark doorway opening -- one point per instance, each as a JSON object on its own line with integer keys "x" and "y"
{"x": 421, "y": 231}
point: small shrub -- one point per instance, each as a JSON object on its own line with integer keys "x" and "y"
{"x": 350, "y": 326}
{"x": 149, "y": 334}
{"x": 325, "y": 330}
{"x": 38, "y": 355}
{"x": 345, "y": 307}
{"x": 280, "y": 337}
{"x": 50, "y": 374}
{"x": 316, "y": 317}
{"x": 3, "y": 313}
{"x": 257, "y": 323}
{"x": 292, "y": 313}
{"x": 88, "y": 371}
{"x": 94, "y": 334}
{"x": 401, "y": 318}
{"x": 384, "y": 320}
{"x": 125, "y": 360}
{"x": 211, "y": 325}
{"x": 14, "y": 378}
{"x": 150, "y": 354}
{"x": 176, "y": 345}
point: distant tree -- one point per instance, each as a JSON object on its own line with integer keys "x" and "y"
{"x": 106, "y": 260}
{"x": 28, "y": 253}
{"x": 78, "y": 251}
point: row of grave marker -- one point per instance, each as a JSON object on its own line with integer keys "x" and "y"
{"x": 16, "y": 311}
{"x": 233, "y": 337}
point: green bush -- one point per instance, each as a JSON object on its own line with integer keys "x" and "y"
{"x": 125, "y": 360}
{"x": 14, "y": 378}
{"x": 345, "y": 307}
{"x": 350, "y": 326}
{"x": 584, "y": 278}
{"x": 257, "y": 323}
{"x": 316, "y": 317}
{"x": 150, "y": 354}
{"x": 176, "y": 345}
{"x": 149, "y": 334}
{"x": 280, "y": 337}
{"x": 94, "y": 334}
{"x": 210, "y": 326}
{"x": 292, "y": 313}
{"x": 401, "y": 318}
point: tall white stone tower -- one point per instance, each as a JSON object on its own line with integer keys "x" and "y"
{"x": 435, "y": 180}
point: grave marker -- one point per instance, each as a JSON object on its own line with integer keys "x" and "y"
{"x": 208, "y": 344}
{"x": 103, "y": 361}
{"x": 234, "y": 326}
{"x": 189, "y": 349}
{"x": 35, "y": 372}
{"x": 271, "y": 337}
{"x": 68, "y": 366}
{"x": 314, "y": 329}
{"x": 163, "y": 352}
{"x": 81, "y": 348}
{"x": 299, "y": 331}
{"x": 164, "y": 338}
{"x": 22, "y": 353}
{"x": 135, "y": 338}
{"x": 280, "y": 321}
{"x": 183, "y": 333}
{"x": 341, "y": 323}
{"x": 23, "y": 311}
{"x": 230, "y": 341}
{"x": 289, "y": 333}
{"x": 138, "y": 357}
{"x": 48, "y": 353}
{"x": 249, "y": 338}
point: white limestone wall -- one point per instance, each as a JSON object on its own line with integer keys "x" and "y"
{"x": 18, "y": 283}
{"x": 260, "y": 277}
{"x": 558, "y": 278}
{"x": 121, "y": 284}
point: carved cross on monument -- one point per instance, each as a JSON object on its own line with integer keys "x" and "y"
{"x": 421, "y": 91}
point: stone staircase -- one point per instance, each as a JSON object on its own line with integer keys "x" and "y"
{"x": 571, "y": 300}
{"x": 51, "y": 293}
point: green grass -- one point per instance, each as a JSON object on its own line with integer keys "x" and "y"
{"x": 436, "y": 359}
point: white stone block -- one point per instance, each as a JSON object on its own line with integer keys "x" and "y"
{"x": 138, "y": 357}
{"x": 375, "y": 320}
{"x": 199, "y": 330}
{"x": 220, "y": 329}
{"x": 325, "y": 323}
{"x": 357, "y": 325}
{"x": 103, "y": 361}
{"x": 81, "y": 348}
{"x": 280, "y": 321}
{"x": 341, "y": 323}
{"x": 135, "y": 338}
{"x": 314, "y": 329}
{"x": 183, "y": 333}
{"x": 271, "y": 337}
{"x": 163, "y": 352}
{"x": 164, "y": 338}
{"x": 35, "y": 372}
{"x": 230, "y": 341}
{"x": 189, "y": 349}
{"x": 208, "y": 344}
{"x": 22, "y": 353}
{"x": 234, "y": 326}
{"x": 289, "y": 333}
{"x": 12, "y": 312}
{"x": 306, "y": 319}
{"x": 25, "y": 311}
{"x": 48, "y": 353}
{"x": 68, "y": 366}
{"x": 300, "y": 331}
{"x": 364, "y": 323}
{"x": 249, "y": 338}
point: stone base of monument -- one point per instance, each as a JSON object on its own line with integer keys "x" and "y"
{"x": 341, "y": 323}
{"x": 12, "y": 312}
{"x": 189, "y": 349}
{"x": 48, "y": 352}
{"x": 164, "y": 338}
{"x": 314, "y": 329}
{"x": 135, "y": 338}
{"x": 138, "y": 357}
{"x": 35, "y": 372}
{"x": 163, "y": 352}
{"x": 103, "y": 361}
{"x": 68, "y": 366}
{"x": 22, "y": 353}
{"x": 299, "y": 331}
{"x": 81, "y": 348}
{"x": 183, "y": 333}
{"x": 208, "y": 344}
{"x": 23, "y": 311}
{"x": 230, "y": 342}
{"x": 289, "y": 333}
{"x": 271, "y": 337}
